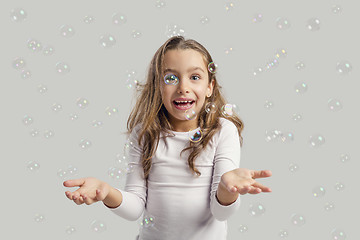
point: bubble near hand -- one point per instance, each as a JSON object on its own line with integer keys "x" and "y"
{"x": 171, "y": 79}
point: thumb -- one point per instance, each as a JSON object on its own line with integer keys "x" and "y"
{"x": 100, "y": 194}
{"x": 74, "y": 182}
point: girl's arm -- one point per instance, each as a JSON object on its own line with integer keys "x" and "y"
{"x": 113, "y": 199}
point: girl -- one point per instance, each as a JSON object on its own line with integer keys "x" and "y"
{"x": 186, "y": 194}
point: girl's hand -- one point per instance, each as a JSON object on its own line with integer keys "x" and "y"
{"x": 241, "y": 180}
{"x": 91, "y": 190}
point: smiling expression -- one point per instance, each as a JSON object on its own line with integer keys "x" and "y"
{"x": 193, "y": 83}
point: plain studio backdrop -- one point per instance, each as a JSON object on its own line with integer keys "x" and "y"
{"x": 308, "y": 93}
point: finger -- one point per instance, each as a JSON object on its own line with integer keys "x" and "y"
{"x": 254, "y": 190}
{"x": 243, "y": 190}
{"x": 262, "y": 187}
{"x": 74, "y": 182}
{"x": 100, "y": 194}
{"x": 79, "y": 200}
{"x": 86, "y": 200}
{"x": 260, "y": 174}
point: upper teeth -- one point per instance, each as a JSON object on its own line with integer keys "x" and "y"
{"x": 183, "y": 101}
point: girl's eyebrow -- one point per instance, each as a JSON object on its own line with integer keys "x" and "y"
{"x": 189, "y": 70}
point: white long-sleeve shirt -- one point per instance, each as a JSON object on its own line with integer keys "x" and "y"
{"x": 183, "y": 206}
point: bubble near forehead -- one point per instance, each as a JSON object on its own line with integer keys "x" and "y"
{"x": 212, "y": 67}
{"x": 171, "y": 79}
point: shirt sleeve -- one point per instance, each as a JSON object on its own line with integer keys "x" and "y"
{"x": 135, "y": 193}
{"x": 227, "y": 158}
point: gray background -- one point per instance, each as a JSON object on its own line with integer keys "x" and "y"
{"x": 99, "y": 75}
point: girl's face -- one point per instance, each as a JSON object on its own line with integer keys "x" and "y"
{"x": 193, "y": 84}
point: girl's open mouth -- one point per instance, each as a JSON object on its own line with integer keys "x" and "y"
{"x": 183, "y": 106}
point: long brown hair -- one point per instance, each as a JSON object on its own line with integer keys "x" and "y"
{"x": 151, "y": 113}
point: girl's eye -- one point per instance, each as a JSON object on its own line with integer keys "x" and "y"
{"x": 196, "y": 76}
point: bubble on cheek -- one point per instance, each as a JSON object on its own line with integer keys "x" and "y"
{"x": 190, "y": 114}
{"x": 171, "y": 79}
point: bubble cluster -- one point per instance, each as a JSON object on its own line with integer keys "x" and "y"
{"x": 67, "y": 173}
{"x": 287, "y": 137}
{"x": 110, "y": 111}
{"x": 272, "y": 135}
{"x": 48, "y": 50}
{"x": 204, "y": 20}
{"x": 98, "y": 226}
{"x": 70, "y": 230}
{"x": 89, "y": 19}
{"x": 229, "y": 6}
{"x": 339, "y": 186}
{"x": 293, "y": 167}
{"x": 67, "y": 31}
{"x": 85, "y": 144}
{"x": 257, "y": 18}
{"x": 301, "y": 88}
{"x": 300, "y": 65}
{"x": 160, "y": 4}
{"x": 318, "y": 191}
{"x": 256, "y": 209}
{"x": 343, "y": 67}
{"x": 34, "y": 132}
{"x": 296, "y": 117}
{"x": 116, "y": 172}
{"x": 97, "y": 124}
{"x": 338, "y": 234}
{"x": 18, "y": 63}
{"x": 329, "y": 206}
{"x": 73, "y": 116}
{"x": 136, "y": 34}
{"x": 56, "y": 107}
{"x": 228, "y": 50}
{"x": 62, "y": 68}
{"x": 171, "y": 79}
{"x": 34, "y": 45}
{"x": 334, "y": 105}
{"x": 33, "y": 166}
{"x": 344, "y": 158}
{"x": 336, "y": 9}
{"x": 283, "y": 233}
{"x": 25, "y": 74}
{"x": 82, "y": 103}
{"x": 119, "y": 19}
{"x": 107, "y": 41}
{"x": 313, "y": 24}
{"x": 268, "y": 104}
{"x": 174, "y": 30}
{"x": 242, "y": 228}
{"x": 131, "y": 79}
{"x": 18, "y": 15}
{"x": 297, "y": 219}
{"x": 282, "y": 23}
{"x": 272, "y": 63}
{"x": 27, "y": 120}
{"x": 147, "y": 220}
{"x": 49, "y": 134}
{"x": 39, "y": 218}
{"x": 316, "y": 140}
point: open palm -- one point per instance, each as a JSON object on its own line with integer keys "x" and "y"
{"x": 242, "y": 180}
